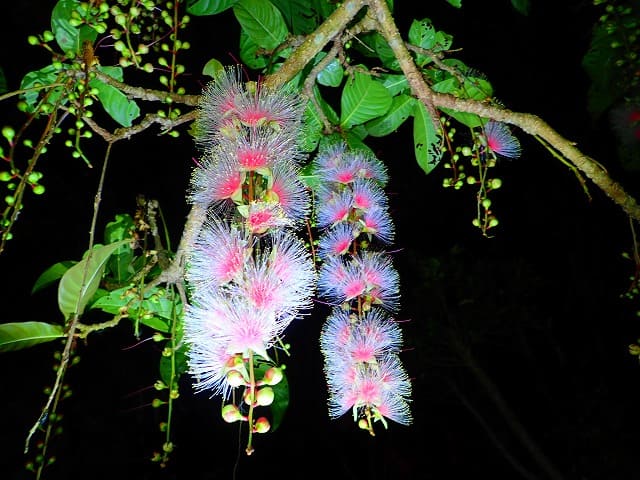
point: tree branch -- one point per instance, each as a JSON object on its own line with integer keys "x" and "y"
{"x": 529, "y": 123}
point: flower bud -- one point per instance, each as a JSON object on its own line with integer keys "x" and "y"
{"x": 230, "y": 413}
{"x": 235, "y": 378}
{"x": 272, "y": 376}
{"x": 262, "y": 425}
{"x": 265, "y": 396}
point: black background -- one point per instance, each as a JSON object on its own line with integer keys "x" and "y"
{"x": 538, "y": 305}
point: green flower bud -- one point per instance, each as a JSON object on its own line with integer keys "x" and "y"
{"x": 8, "y": 133}
{"x": 262, "y": 425}
{"x": 272, "y": 376}
{"x": 230, "y": 413}
{"x": 235, "y": 378}
{"x": 265, "y": 396}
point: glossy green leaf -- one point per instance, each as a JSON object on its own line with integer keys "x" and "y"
{"x": 298, "y": 15}
{"x": 332, "y": 75}
{"x": 401, "y": 109}
{"x": 208, "y": 7}
{"x": 249, "y": 53}
{"x": 280, "y": 402}
{"x": 394, "y": 83}
{"x": 476, "y": 88}
{"x": 455, "y": 3}
{"x": 115, "y": 103}
{"x": 19, "y": 335}
{"x": 45, "y": 76}
{"x": 52, "y": 275}
{"x": 426, "y": 141}
{"x": 213, "y": 68}
{"x": 262, "y": 22}
{"x": 81, "y": 281}
{"x": 119, "y": 266}
{"x": 68, "y": 37}
{"x": 382, "y": 50}
{"x": 363, "y": 99}
{"x": 114, "y": 300}
{"x": 422, "y": 33}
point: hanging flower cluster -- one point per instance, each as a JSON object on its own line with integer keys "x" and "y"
{"x": 360, "y": 341}
{"x": 249, "y": 275}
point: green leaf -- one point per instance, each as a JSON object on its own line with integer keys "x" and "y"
{"x": 119, "y": 265}
{"x": 208, "y": 7}
{"x": 73, "y": 293}
{"x": 382, "y": 50}
{"x": 262, "y": 22}
{"x": 474, "y": 88}
{"x": 68, "y": 37}
{"x": 212, "y": 68}
{"x": 394, "y": 83}
{"x": 422, "y": 33}
{"x": 455, "y": 3}
{"x": 298, "y": 15}
{"x": 116, "y": 103}
{"x": 477, "y": 88}
{"x": 51, "y": 275}
{"x": 401, "y": 109}
{"x": 45, "y": 76}
{"x": 280, "y": 402}
{"x": 311, "y": 130}
{"x": 19, "y": 335}
{"x": 114, "y": 300}
{"x": 249, "y": 53}
{"x": 522, "y": 6}
{"x": 426, "y": 141}
{"x": 363, "y": 99}
{"x": 333, "y": 74}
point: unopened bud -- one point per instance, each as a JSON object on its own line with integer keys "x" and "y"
{"x": 262, "y": 425}
{"x": 265, "y": 396}
{"x": 235, "y": 378}
{"x": 230, "y": 413}
{"x": 272, "y": 376}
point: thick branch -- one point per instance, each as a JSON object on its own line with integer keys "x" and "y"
{"x": 527, "y": 122}
{"x": 315, "y": 42}
{"x": 147, "y": 93}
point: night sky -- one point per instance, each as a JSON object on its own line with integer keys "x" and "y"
{"x": 532, "y": 317}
